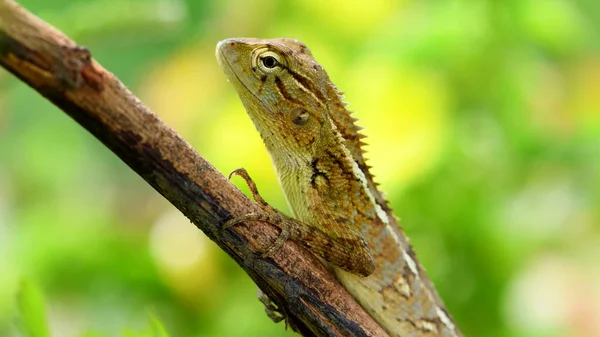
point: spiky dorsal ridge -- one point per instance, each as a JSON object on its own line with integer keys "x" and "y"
{"x": 353, "y": 138}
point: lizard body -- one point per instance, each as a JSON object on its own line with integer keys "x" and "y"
{"x": 316, "y": 148}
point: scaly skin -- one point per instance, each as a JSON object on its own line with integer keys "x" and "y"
{"x": 317, "y": 151}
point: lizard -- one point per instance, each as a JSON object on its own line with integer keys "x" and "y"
{"x": 317, "y": 150}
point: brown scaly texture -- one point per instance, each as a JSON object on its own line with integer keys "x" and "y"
{"x": 317, "y": 151}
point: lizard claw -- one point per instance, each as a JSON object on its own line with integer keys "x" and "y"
{"x": 271, "y": 308}
{"x": 241, "y": 172}
{"x": 271, "y": 215}
{"x": 238, "y": 172}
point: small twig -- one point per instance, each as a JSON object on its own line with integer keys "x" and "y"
{"x": 65, "y": 73}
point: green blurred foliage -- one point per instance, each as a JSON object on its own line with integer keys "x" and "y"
{"x": 32, "y": 311}
{"x": 483, "y": 120}
{"x": 32, "y": 316}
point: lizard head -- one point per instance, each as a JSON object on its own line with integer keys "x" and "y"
{"x": 283, "y": 89}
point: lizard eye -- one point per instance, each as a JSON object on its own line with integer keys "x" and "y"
{"x": 269, "y": 62}
{"x": 300, "y": 116}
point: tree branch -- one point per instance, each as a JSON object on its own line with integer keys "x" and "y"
{"x": 64, "y": 73}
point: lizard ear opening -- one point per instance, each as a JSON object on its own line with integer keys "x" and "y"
{"x": 300, "y": 116}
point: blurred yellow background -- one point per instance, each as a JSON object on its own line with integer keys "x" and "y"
{"x": 483, "y": 124}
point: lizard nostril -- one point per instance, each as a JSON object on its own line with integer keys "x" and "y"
{"x": 232, "y": 44}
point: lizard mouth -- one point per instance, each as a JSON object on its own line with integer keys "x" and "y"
{"x": 229, "y": 70}
{"x": 224, "y": 62}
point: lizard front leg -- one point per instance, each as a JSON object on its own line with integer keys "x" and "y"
{"x": 332, "y": 238}
{"x": 270, "y": 215}
{"x": 274, "y": 217}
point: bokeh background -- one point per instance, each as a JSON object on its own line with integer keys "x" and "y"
{"x": 483, "y": 120}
